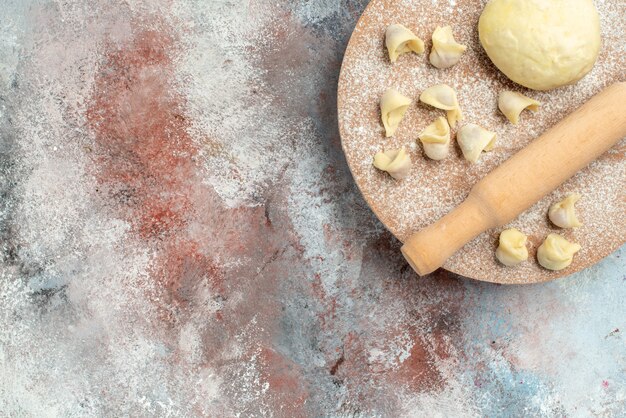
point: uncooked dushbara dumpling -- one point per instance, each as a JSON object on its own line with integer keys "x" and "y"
{"x": 393, "y": 105}
{"x": 512, "y": 247}
{"x": 556, "y": 252}
{"x": 563, "y": 213}
{"x": 443, "y": 97}
{"x": 396, "y": 162}
{"x": 473, "y": 140}
{"x": 400, "y": 40}
{"x": 435, "y": 139}
{"x": 446, "y": 50}
{"x": 512, "y": 103}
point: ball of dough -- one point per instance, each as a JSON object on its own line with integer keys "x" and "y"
{"x": 541, "y": 44}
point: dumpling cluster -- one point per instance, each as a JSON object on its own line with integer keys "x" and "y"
{"x": 556, "y": 252}
{"x": 443, "y": 97}
{"x": 395, "y": 162}
{"x": 473, "y": 140}
{"x": 446, "y": 51}
{"x": 511, "y": 104}
{"x": 436, "y": 139}
{"x": 400, "y": 40}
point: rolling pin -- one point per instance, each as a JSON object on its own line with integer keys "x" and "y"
{"x": 524, "y": 179}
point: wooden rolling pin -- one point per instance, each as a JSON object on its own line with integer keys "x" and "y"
{"x": 524, "y": 179}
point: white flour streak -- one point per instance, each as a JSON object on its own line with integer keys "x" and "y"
{"x": 317, "y": 10}
{"x": 244, "y": 140}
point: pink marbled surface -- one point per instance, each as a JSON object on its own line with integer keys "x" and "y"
{"x": 180, "y": 236}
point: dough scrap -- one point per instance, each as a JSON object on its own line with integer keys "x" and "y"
{"x": 446, "y": 50}
{"x": 443, "y": 97}
{"x": 541, "y": 44}
{"x": 473, "y": 140}
{"x": 395, "y": 162}
{"x": 435, "y": 139}
{"x": 512, "y": 103}
{"x": 393, "y": 105}
{"x": 563, "y": 214}
{"x": 556, "y": 252}
{"x": 400, "y": 40}
{"x": 512, "y": 248}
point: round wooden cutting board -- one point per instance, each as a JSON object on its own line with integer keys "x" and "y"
{"x": 433, "y": 188}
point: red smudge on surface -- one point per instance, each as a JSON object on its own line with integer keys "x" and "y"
{"x": 285, "y": 383}
{"x": 354, "y": 366}
{"x": 366, "y": 379}
{"x": 145, "y": 165}
{"x": 605, "y": 384}
{"x": 327, "y": 316}
{"x": 419, "y": 372}
{"x": 144, "y": 156}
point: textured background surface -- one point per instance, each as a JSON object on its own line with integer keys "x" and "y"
{"x": 180, "y": 235}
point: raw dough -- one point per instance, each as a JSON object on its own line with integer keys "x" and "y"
{"x": 556, "y": 252}
{"x": 395, "y": 162}
{"x": 436, "y": 139}
{"x": 443, "y": 97}
{"x": 399, "y": 40}
{"x": 393, "y": 105}
{"x": 473, "y": 140}
{"x": 512, "y": 249}
{"x": 541, "y": 44}
{"x": 563, "y": 215}
{"x": 446, "y": 51}
{"x": 512, "y": 103}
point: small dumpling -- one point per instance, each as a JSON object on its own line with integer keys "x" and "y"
{"x": 446, "y": 51}
{"x": 473, "y": 140}
{"x": 443, "y": 97}
{"x": 556, "y": 252}
{"x": 512, "y": 103}
{"x": 399, "y": 40}
{"x": 395, "y": 162}
{"x": 393, "y": 105}
{"x": 512, "y": 248}
{"x": 436, "y": 139}
{"x": 563, "y": 215}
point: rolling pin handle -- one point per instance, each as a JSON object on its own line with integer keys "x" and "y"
{"x": 427, "y": 250}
